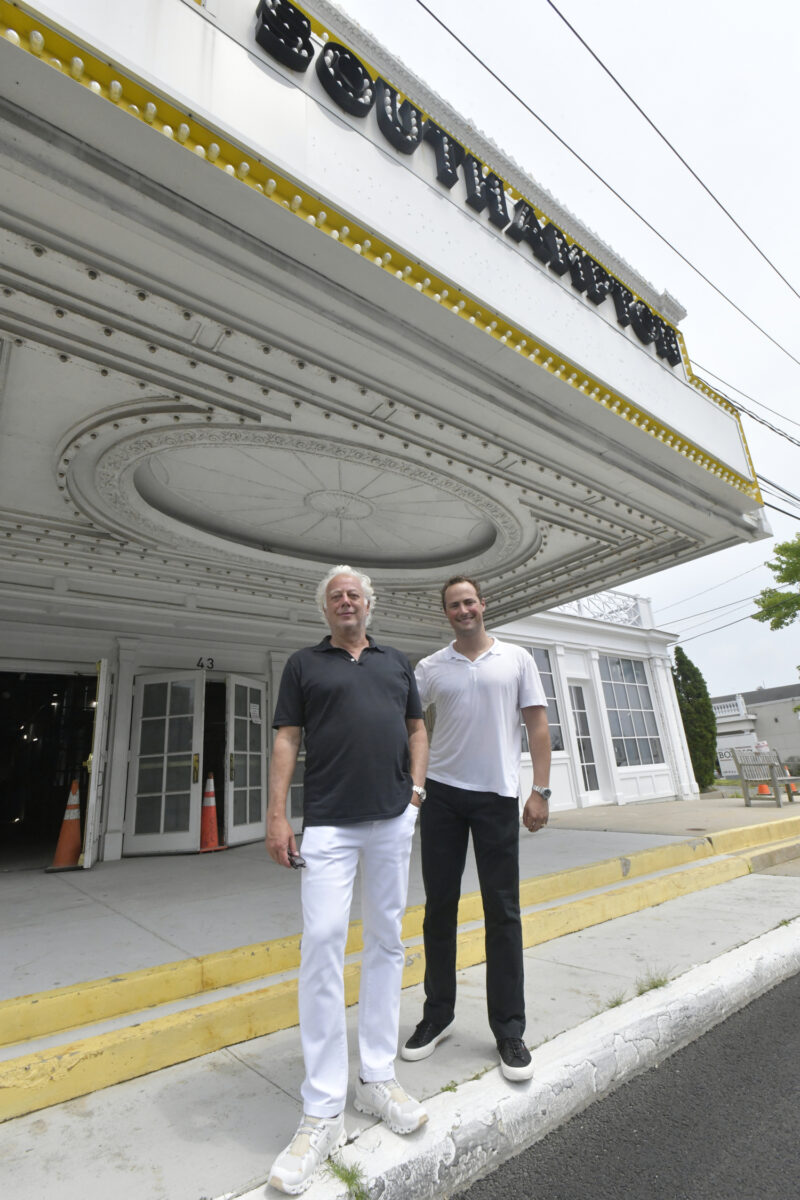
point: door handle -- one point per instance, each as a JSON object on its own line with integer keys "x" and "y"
{"x": 195, "y": 768}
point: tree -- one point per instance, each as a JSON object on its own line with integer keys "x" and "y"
{"x": 777, "y": 607}
{"x": 698, "y": 717}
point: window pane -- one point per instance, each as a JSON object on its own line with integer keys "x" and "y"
{"x": 644, "y": 750}
{"x": 631, "y": 752}
{"x": 255, "y": 770}
{"x": 151, "y": 775}
{"x": 154, "y": 701}
{"x": 620, "y": 695}
{"x": 180, "y": 734}
{"x": 179, "y": 774}
{"x": 255, "y": 736}
{"x": 619, "y": 752}
{"x": 240, "y": 806}
{"x": 627, "y": 671}
{"x": 614, "y": 725}
{"x": 650, "y": 723}
{"x": 240, "y": 770}
{"x": 656, "y": 751}
{"x": 148, "y": 814}
{"x": 239, "y": 734}
{"x": 556, "y": 738}
{"x": 638, "y": 724}
{"x": 639, "y": 671}
{"x": 152, "y": 736}
{"x": 590, "y": 778}
{"x": 626, "y": 723}
{"x": 240, "y": 700}
{"x": 255, "y": 804}
{"x": 616, "y": 670}
{"x": 633, "y": 696}
{"x": 542, "y": 659}
{"x": 608, "y": 692}
{"x": 176, "y": 812}
{"x": 181, "y": 698}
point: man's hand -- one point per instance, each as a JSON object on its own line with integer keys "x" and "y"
{"x": 535, "y": 812}
{"x": 280, "y": 840}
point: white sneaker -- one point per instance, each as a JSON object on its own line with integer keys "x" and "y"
{"x": 387, "y": 1100}
{"x": 315, "y": 1140}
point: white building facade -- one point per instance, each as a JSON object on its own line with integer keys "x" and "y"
{"x": 268, "y": 303}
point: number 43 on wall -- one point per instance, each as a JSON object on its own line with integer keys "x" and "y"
{"x": 205, "y": 664}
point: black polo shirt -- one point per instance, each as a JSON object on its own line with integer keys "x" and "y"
{"x": 353, "y": 713}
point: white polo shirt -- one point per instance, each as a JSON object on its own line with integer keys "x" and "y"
{"x": 477, "y": 739}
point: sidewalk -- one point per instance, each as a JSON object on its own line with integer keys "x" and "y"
{"x": 210, "y": 1127}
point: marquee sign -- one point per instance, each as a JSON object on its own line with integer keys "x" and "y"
{"x": 284, "y": 32}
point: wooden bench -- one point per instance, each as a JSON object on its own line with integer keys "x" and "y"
{"x": 754, "y": 768}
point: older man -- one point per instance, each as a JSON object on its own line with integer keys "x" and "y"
{"x": 483, "y": 689}
{"x": 357, "y": 704}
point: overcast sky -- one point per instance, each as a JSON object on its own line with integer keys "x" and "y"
{"x": 719, "y": 79}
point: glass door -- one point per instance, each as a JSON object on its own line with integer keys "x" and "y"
{"x": 586, "y": 754}
{"x": 245, "y": 758}
{"x": 162, "y": 813}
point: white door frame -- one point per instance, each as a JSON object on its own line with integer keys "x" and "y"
{"x": 96, "y": 764}
{"x": 178, "y": 841}
{"x": 238, "y": 759}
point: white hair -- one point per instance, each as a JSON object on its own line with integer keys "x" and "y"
{"x": 343, "y": 569}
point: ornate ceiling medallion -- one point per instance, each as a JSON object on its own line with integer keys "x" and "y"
{"x": 262, "y": 492}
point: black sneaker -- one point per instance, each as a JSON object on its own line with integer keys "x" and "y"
{"x": 515, "y": 1058}
{"x": 425, "y": 1039}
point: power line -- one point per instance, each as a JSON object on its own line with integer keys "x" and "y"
{"x": 719, "y": 607}
{"x": 669, "y": 144}
{"x": 607, "y": 185}
{"x": 682, "y": 641}
{"x": 780, "y": 487}
{"x": 708, "y": 621}
{"x": 774, "y": 507}
{"x": 713, "y": 588}
{"x": 752, "y": 399}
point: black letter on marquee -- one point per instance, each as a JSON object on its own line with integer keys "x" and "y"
{"x": 481, "y": 192}
{"x": 623, "y": 299}
{"x": 644, "y": 322}
{"x": 526, "y": 228}
{"x": 400, "y": 124}
{"x": 598, "y": 280}
{"x": 449, "y": 153}
{"x": 285, "y": 33}
{"x": 548, "y": 244}
{"x": 346, "y": 80}
{"x": 667, "y": 345}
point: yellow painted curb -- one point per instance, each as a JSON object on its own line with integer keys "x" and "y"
{"x": 728, "y": 841}
{"x": 24, "y": 1018}
{"x": 39, "y": 1080}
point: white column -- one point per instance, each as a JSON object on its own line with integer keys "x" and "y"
{"x": 617, "y": 796}
{"x": 673, "y": 735}
{"x": 119, "y": 745}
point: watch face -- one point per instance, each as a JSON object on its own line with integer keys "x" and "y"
{"x": 545, "y": 793}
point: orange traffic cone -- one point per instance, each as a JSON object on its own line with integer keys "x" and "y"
{"x": 208, "y": 820}
{"x": 763, "y": 789}
{"x": 68, "y": 848}
{"x": 792, "y": 787}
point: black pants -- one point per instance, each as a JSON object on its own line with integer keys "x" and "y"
{"x": 447, "y": 817}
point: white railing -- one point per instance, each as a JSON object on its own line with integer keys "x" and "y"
{"x": 730, "y": 708}
{"x": 619, "y": 608}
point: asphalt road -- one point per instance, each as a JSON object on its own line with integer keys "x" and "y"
{"x": 719, "y": 1120}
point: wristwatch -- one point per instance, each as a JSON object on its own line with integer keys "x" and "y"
{"x": 420, "y": 792}
{"x": 545, "y": 793}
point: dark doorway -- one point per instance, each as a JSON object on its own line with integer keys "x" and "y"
{"x": 214, "y": 747}
{"x": 46, "y": 728}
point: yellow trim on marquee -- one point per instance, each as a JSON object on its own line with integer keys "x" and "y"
{"x": 109, "y": 82}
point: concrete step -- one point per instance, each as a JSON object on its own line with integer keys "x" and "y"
{"x": 133, "y": 1024}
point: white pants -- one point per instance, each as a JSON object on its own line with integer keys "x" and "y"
{"x": 332, "y": 854}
